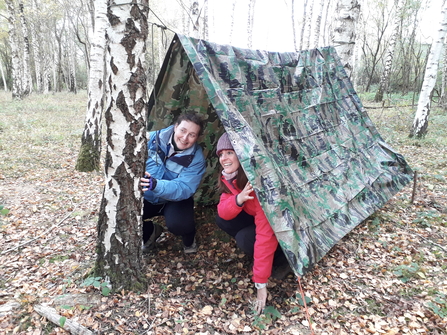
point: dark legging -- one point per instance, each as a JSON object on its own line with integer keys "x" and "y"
{"x": 243, "y": 229}
{"x": 179, "y": 218}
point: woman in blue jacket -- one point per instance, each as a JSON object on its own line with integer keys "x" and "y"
{"x": 174, "y": 169}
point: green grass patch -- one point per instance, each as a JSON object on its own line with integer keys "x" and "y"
{"x": 41, "y": 127}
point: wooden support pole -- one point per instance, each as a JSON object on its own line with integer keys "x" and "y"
{"x": 415, "y": 178}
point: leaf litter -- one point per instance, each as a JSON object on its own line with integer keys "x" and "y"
{"x": 388, "y": 276}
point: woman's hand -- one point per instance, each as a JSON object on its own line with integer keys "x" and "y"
{"x": 261, "y": 300}
{"x": 242, "y": 197}
{"x": 144, "y": 182}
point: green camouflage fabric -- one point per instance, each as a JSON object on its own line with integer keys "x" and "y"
{"x": 317, "y": 163}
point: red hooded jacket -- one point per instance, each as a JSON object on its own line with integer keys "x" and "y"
{"x": 265, "y": 243}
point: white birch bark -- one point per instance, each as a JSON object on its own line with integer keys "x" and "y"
{"x": 384, "y": 80}
{"x": 46, "y": 79}
{"x": 347, "y": 13}
{"x": 233, "y": 7}
{"x": 420, "y": 123}
{"x": 251, "y": 11}
{"x": 16, "y": 69}
{"x": 71, "y": 326}
{"x": 119, "y": 253}
{"x": 26, "y": 81}
{"x": 205, "y": 32}
{"x": 58, "y": 61}
{"x": 3, "y": 78}
{"x": 195, "y": 15}
{"x": 443, "y": 100}
{"x": 294, "y": 26}
{"x": 303, "y": 24}
{"x": 90, "y": 151}
{"x": 36, "y": 46}
{"x": 317, "y": 31}
{"x": 54, "y": 67}
{"x": 327, "y": 30}
{"x": 72, "y": 66}
{"x": 308, "y": 26}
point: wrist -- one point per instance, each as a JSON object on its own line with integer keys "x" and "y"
{"x": 152, "y": 183}
{"x": 237, "y": 201}
{"x": 260, "y": 286}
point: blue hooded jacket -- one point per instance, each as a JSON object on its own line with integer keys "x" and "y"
{"x": 178, "y": 176}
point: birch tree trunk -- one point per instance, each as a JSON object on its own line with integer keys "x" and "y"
{"x": 303, "y": 25}
{"x": 16, "y": 70}
{"x": 420, "y": 123}
{"x": 327, "y": 32}
{"x": 385, "y": 79}
{"x": 294, "y": 26}
{"x": 89, "y": 154}
{"x": 195, "y": 13}
{"x": 36, "y": 35}
{"x": 317, "y": 31}
{"x": 3, "y": 78}
{"x": 54, "y": 68}
{"x": 233, "y": 7}
{"x": 27, "y": 82}
{"x": 347, "y": 13}
{"x": 205, "y": 31}
{"x": 71, "y": 60}
{"x": 443, "y": 100}
{"x": 308, "y": 26}
{"x": 58, "y": 33}
{"x": 119, "y": 241}
{"x": 251, "y": 11}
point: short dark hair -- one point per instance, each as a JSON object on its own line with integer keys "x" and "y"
{"x": 192, "y": 117}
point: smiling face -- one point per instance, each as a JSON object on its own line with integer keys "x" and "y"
{"x": 229, "y": 161}
{"x": 186, "y": 133}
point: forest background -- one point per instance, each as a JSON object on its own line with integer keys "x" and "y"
{"x": 387, "y": 276}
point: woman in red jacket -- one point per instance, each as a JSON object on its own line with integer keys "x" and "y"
{"x": 241, "y": 216}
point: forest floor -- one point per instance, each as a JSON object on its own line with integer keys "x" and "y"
{"x": 388, "y": 276}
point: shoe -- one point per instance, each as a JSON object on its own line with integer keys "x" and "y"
{"x": 281, "y": 271}
{"x": 150, "y": 243}
{"x": 191, "y": 249}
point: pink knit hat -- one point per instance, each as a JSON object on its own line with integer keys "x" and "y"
{"x": 223, "y": 144}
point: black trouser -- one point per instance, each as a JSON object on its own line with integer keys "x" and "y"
{"x": 179, "y": 218}
{"x": 243, "y": 229}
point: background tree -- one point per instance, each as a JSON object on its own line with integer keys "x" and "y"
{"x": 19, "y": 85}
{"x": 420, "y": 123}
{"x": 119, "y": 225}
{"x": 195, "y": 15}
{"x": 233, "y": 8}
{"x": 294, "y": 25}
{"x": 90, "y": 151}
{"x": 251, "y": 16}
{"x": 411, "y": 53}
{"x": 384, "y": 81}
{"x": 443, "y": 98}
{"x": 36, "y": 34}
{"x": 347, "y": 13}
{"x": 317, "y": 30}
{"x": 5, "y": 86}
{"x": 26, "y": 80}
{"x": 371, "y": 32}
{"x": 308, "y": 26}
{"x": 303, "y": 26}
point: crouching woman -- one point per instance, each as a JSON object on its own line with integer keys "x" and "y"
{"x": 242, "y": 217}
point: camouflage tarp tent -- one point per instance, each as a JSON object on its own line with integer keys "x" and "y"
{"x": 318, "y": 165}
